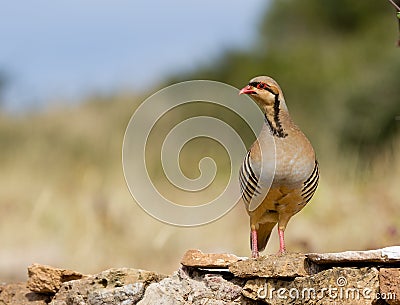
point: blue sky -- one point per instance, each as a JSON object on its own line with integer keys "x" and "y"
{"x": 63, "y": 50}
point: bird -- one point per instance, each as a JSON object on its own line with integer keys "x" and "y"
{"x": 293, "y": 160}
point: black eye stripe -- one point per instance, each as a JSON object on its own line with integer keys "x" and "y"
{"x": 261, "y": 85}
{"x": 254, "y": 84}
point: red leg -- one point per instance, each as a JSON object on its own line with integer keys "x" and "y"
{"x": 254, "y": 247}
{"x": 282, "y": 248}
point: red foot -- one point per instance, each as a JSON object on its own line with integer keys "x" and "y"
{"x": 282, "y": 248}
{"x": 254, "y": 246}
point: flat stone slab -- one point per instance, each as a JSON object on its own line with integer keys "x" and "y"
{"x": 273, "y": 266}
{"x": 384, "y": 255}
{"x": 196, "y": 258}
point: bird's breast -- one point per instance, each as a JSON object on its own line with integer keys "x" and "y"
{"x": 294, "y": 161}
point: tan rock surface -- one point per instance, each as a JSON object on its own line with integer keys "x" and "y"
{"x": 119, "y": 285}
{"x": 46, "y": 279}
{"x": 333, "y": 286}
{"x": 19, "y": 294}
{"x": 196, "y": 258}
{"x": 279, "y": 266}
{"x": 389, "y": 280}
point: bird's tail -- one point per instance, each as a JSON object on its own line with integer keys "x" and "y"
{"x": 263, "y": 234}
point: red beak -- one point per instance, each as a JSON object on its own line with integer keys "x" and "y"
{"x": 247, "y": 90}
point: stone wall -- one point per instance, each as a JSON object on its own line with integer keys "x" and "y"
{"x": 354, "y": 277}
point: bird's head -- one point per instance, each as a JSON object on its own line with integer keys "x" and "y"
{"x": 264, "y": 90}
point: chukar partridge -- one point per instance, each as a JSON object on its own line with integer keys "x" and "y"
{"x": 296, "y": 169}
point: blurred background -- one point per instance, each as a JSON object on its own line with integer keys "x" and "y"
{"x": 72, "y": 73}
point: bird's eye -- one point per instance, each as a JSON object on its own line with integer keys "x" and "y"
{"x": 260, "y": 86}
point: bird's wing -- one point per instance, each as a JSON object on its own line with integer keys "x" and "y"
{"x": 310, "y": 185}
{"x": 249, "y": 185}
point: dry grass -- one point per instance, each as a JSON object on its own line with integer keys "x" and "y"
{"x": 64, "y": 202}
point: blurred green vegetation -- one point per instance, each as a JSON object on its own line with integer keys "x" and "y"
{"x": 63, "y": 199}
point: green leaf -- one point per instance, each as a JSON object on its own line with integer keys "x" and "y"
{"x": 398, "y": 15}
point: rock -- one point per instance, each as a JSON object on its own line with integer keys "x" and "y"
{"x": 195, "y": 288}
{"x": 127, "y": 295}
{"x": 354, "y": 277}
{"x": 19, "y": 294}
{"x": 389, "y": 279}
{"x": 278, "y": 266}
{"x": 385, "y": 255}
{"x": 196, "y": 258}
{"x": 333, "y": 286}
{"x": 46, "y": 279}
{"x": 113, "y": 286}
